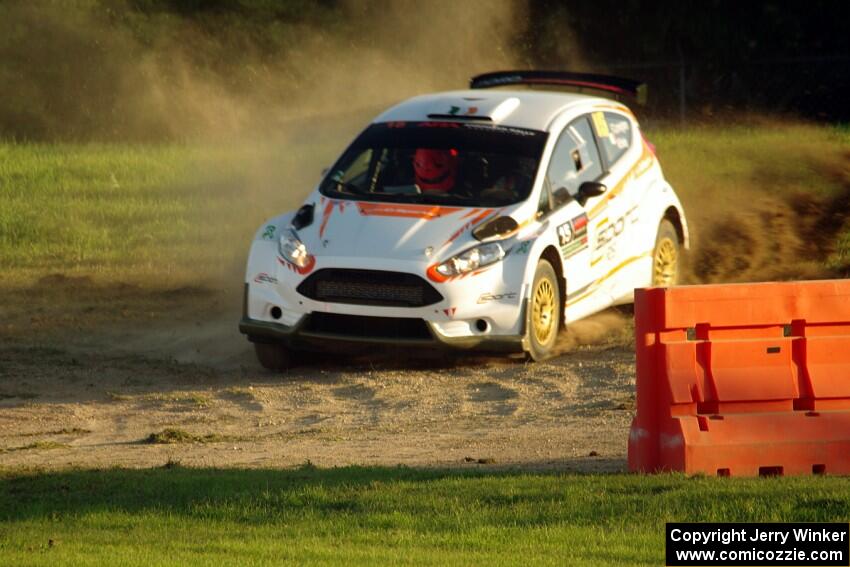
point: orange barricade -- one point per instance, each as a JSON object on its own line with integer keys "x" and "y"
{"x": 743, "y": 379}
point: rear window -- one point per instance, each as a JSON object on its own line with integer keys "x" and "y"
{"x": 468, "y": 164}
{"x": 614, "y": 132}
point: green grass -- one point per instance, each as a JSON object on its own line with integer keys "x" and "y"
{"x": 776, "y": 158}
{"x": 170, "y": 436}
{"x": 188, "y": 399}
{"x": 141, "y": 212}
{"x": 842, "y": 131}
{"x": 378, "y": 516}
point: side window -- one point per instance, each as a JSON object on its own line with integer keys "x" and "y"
{"x": 544, "y": 206}
{"x": 355, "y": 175}
{"x": 575, "y": 158}
{"x": 615, "y": 134}
{"x": 358, "y": 167}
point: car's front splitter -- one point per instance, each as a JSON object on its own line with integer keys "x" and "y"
{"x": 301, "y": 336}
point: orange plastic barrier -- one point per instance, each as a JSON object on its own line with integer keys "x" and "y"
{"x": 743, "y": 379}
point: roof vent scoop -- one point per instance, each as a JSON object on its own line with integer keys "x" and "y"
{"x": 489, "y": 109}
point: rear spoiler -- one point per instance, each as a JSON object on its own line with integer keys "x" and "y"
{"x": 606, "y": 83}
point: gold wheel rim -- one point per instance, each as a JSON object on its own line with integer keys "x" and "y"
{"x": 543, "y": 311}
{"x": 665, "y": 264}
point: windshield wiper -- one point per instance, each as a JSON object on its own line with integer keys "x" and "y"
{"x": 432, "y": 199}
{"x": 446, "y": 198}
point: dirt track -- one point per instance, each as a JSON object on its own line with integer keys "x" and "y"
{"x": 79, "y": 387}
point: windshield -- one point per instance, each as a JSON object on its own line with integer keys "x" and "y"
{"x": 469, "y": 164}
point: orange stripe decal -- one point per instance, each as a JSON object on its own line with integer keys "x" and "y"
{"x": 326, "y": 216}
{"x": 483, "y": 215}
{"x": 427, "y": 212}
{"x": 311, "y": 263}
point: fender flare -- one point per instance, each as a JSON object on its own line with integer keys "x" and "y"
{"x": 539, "y": 250}
{"x": 671, "y": 209}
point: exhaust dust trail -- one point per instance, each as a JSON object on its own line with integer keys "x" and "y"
{"x": 87, "y": 69}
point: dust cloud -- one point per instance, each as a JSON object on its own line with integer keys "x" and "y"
{"x": 610, "y": 328}
{"x": 90, "y": 69}
{"x": 286, "y": 93}
{"x": 758, "y": 233}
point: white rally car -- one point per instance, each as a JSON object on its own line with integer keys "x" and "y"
{"x": 485, "y": 218}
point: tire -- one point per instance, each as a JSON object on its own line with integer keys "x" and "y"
{"x": 273, "y": 356}
{"x": 543, "y": 320}
{"x": 666, "y": 257}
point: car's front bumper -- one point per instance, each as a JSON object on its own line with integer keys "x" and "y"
{"x": 483, "y": 311}
{"x": 300, "y": 335}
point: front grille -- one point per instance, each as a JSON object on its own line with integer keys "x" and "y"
{"x": 364, "y": 327}
{"x": 369, "y": 287}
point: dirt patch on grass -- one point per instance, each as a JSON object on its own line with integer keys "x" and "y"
{"x": 37, "y": 445}
{"x": 63, "y": 280}
{"x": 170, "y": 436}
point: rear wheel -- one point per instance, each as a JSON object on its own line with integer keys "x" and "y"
{"x": 665, "y": 257}
{"x": 273, "y": 356}
{"x": 544, "y": 312}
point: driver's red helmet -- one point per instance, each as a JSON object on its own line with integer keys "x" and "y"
{"x": 435, "y": 169}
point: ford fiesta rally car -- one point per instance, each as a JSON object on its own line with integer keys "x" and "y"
{"x": 482, "y": 219}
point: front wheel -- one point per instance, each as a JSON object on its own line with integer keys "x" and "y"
{"x": 273, "y": 356}
{"x": 544, "y": 312}
{"x": 665, "y": 256}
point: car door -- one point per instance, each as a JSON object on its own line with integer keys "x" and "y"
{"x": 575, "y": 159}
{"x": 619, "y": 246}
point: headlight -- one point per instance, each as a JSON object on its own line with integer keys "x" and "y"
{"x": 472, "y": 259}
{"x": 292, "y": 249}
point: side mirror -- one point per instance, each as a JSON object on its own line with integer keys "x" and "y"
{"x": 498, "y": 227}
{"x": 560, "y": 197}
{"x": 590, "y": 189}
{"x": 304, "y": 217}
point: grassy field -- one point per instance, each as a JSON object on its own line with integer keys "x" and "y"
{"x": 378, "y": 516}
{"x": 140, "y": 213}
{"x": 178, "y": 212}
{"x": 125, "y": 212}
